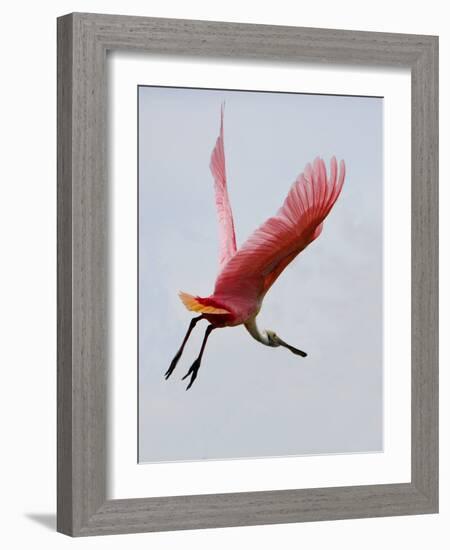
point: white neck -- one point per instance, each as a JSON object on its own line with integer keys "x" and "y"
{"x": 253, "y": 329}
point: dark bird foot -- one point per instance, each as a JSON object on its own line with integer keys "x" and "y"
{"x": 192, "y": 372}
{"x": 173, "y": 364}
{"x": 175, "y": 360}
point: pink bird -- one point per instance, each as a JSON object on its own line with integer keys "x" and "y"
{"x": 247, "y": 274}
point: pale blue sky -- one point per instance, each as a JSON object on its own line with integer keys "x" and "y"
{"x": 250, "y": 400}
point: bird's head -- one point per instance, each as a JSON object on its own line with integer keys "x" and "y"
{"x": 274, "y": 341}
{"x": 272, "y": 338}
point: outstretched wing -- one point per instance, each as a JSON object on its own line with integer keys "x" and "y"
{"x": 224, "y": 213}
{"x": 261, "y": 259}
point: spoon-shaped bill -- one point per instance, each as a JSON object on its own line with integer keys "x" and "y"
{"x": 291, "y": 348}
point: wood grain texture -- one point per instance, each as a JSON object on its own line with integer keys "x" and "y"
{"x": 64, "y": 295}
{"x": 424, "y": 275}
{"x": 83, "y": 318}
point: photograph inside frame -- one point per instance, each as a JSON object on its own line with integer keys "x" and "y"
{"x": 260, "y": 277}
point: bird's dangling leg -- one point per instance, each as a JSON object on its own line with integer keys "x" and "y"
{"x": 175, "y": 360}
{"x": 196, "y": 364}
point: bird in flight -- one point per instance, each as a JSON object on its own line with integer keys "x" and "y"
{"x": 245, "y": 275}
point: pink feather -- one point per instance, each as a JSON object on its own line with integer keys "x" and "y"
{"x": 224, "y": 213}
{"x": 249, "y": 274}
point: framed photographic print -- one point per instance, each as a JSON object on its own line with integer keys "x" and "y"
{"x": 224, "y": 419}
{"x": 247, "y": 274}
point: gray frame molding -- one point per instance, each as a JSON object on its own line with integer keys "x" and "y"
{"x": 83, "y": 40}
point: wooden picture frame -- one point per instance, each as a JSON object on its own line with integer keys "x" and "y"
{"x": 83, "y": 40}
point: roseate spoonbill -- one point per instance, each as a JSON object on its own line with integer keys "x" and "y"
{"x": 246, "y": 274}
